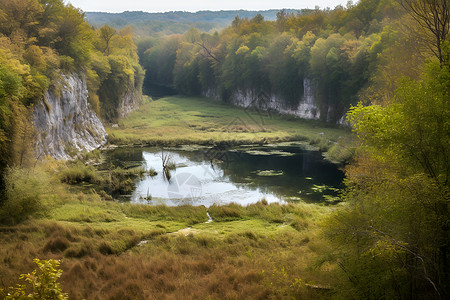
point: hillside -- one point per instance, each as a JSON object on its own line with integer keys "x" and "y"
{"x": 221, "y": 191}
{"x": 145, "y": 23}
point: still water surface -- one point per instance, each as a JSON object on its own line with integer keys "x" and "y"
{"x": 205, "y": 176}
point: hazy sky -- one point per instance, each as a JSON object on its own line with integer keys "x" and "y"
{"x": 196, "y": 5}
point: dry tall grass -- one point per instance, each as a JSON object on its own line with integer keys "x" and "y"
{"x": 259, "y": 254}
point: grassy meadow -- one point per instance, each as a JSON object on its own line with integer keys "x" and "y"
{"x": 179, "y": 120}
{"x": 115, "y": 250}
{"x": 112, "y": 250}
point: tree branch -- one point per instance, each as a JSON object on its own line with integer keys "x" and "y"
{"x": 417, "y": 256}
{"x": 208, "y": 51}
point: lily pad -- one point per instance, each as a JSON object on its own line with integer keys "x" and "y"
{"x": 319, "y": 188}
{"x": 268, "y": 173}
{"x": 268, "y": 152}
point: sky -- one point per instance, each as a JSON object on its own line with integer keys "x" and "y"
{"x": 196, "y": 5}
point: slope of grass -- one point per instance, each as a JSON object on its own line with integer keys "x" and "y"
{"x": 180, "y": 120}
{"x": 112, "y": 250}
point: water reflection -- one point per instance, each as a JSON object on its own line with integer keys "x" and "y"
{"x": 193, "y": 182}
{"x": 245, "y": 175}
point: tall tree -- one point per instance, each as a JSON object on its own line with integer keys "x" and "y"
{"x": 394, "y": 236}
{"x": 433, "y": 16}
{"x": 106, "y": 34}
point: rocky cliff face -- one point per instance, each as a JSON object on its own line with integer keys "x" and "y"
{"x": 65, "y": 123}
{"x": 129, "y": 101}
{"x": 306, "y": 108}
{"x": 117, "y": 102}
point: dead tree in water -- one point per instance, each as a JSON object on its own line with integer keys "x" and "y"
{"x": 167, "y": 165}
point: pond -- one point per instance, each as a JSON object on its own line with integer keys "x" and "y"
{"x": 206, "y": 176}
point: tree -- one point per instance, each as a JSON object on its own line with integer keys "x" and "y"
{"x": 433, "y": 16}
{"x": 19, "y": 15}
{"x": 282, "y": 17}
{"x": 393, "y": 236}
{"x": 106, "y": 33}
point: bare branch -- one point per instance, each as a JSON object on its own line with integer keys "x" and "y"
{"x": 434, "y": 16}
{"x": 208, "y": 51}
{"x": 417, "y": 256}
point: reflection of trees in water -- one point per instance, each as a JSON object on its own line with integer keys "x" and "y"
{"x": 301, "y": 170}
{"x": 296, "y": 168}
{"x": 241, "y": 168}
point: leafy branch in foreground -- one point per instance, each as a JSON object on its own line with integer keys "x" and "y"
{"x": 42, "y": 282}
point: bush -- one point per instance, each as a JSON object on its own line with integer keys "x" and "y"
{"x": 43, "y": 281}
{"x": 78, "y": 173}
{"x": 24, "y": 190}
{"x": 339, "y": 153}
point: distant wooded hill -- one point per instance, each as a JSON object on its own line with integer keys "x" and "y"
{"x": 177, "y": 21}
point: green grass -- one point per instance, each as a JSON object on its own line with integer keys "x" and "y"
{"x": 113, "y": 250}
{"x": 188, "y": 120}
{"x": 256, "y": 251}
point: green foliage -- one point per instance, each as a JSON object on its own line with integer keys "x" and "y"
{"x": 415, "y": 127}
{"x": 78, "y": 173}
{"x": 392, "y": 238}
{"x": 159, "y": 61}
{"x": 23, "y": 195}
{"x": 42, "y": 282}
{"x": 333, "y": 49}
{"x": 10, "y": 83}
{"x": 40, "y": 40}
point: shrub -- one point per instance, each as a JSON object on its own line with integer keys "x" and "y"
{"x": 43, "y": 281}
{"x": 78, "y": 173}
{"x": 56, "y": 244}
{"x": 152, "y": 172}
{"x": 339, "y": 153}
{"x": 79, "y": 250}
{"x": 23, "y": 195}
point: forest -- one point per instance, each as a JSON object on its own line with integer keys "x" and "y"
{"x": 381, "y": 67}
{"x": 174, "y": 22}
{"x": 41, "y": 41}
{"x": 339, "y": 50}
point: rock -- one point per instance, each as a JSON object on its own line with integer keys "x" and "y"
{"x": 129, "y": 101}
{"x": 65, "y": 123}
{"x": 306, "y": 108}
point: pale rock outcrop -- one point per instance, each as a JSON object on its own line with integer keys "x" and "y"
{"x": 65, "y": 123}
{"x": 130, "y": 101}
{"x": 306, "y": 108}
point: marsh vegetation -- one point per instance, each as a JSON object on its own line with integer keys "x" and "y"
{"x": 384, "y": 235}
{"x": 181, "y": 120}
{"x": 124, "y": 249}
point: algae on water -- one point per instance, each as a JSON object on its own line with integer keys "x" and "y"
{"x": 268, "y": 173}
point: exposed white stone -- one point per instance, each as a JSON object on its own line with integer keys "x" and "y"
{"x": 66, "y": 121}
{"x": 305, "y": 109}
{"x": 129, "y": 102}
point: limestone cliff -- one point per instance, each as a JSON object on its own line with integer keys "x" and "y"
{"x": 129, "y": 101}
{"x": 118, "y": 100}
{"x": 65, "y": 123}
{"x": 307, "y": 107}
